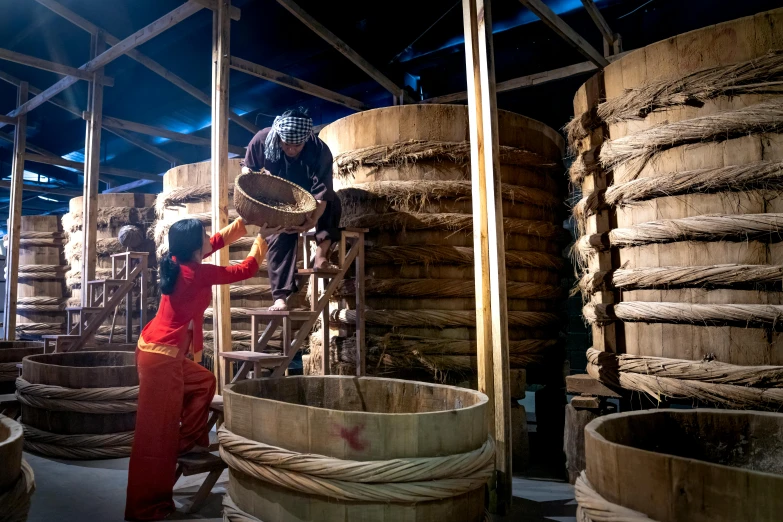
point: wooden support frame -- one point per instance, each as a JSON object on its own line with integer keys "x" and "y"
{"x": 488, "y": 240}
{"x": 610, "y": 38}
{"x": 15, "y": 219}
{"x": 145, "y": 60}
{"x": 265, "y": 73}
{"x": 109, "y": 171}
{"x": 541, "y": 10}
{"x": 7, "y": 120}
{"x": 78, "y": 112}
{"x": 221, "y": 56}
{"x": 46, "y": 65}
{"x": 92, "y": 160}
{"x": 139, "y": 37}
{"x": 141, "y": 128}
{"x": 343, "y": 48}
{"x": 42, "y": 190}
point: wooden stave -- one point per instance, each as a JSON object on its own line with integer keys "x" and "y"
{"x": 11, "y": 439}
{"x": 41, "y": 369}
{"x": 671, "y": 59}
{"x": 670, "y": 483}
{"x": 273, "y": 504}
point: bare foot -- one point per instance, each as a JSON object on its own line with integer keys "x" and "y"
{"x": 279, "y": 306}
{"x": 322, "y": 254}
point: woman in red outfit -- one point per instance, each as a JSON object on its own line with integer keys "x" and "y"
{"x": 174, "y": 391}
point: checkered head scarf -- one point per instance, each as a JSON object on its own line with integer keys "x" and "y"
{"x": 290, "y": 129}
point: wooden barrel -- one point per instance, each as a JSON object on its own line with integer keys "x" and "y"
{"x": 352, "y": 419}
{"x": 187, "y": 192}
{"x": 53, "y": 384}
{"x": 114, "y": 212}
{"x": 680, "y": 211}
{"x": 16, "y": 476}
{"x": 671, "y": 465}
{"x": 11, "y": 354}
{"x": 404, "y": 173}
{"x": 41, "y": 298}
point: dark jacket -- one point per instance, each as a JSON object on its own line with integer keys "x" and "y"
{"x": 311, "y": 170}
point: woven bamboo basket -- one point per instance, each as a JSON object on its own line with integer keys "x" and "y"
{"x": 404, "y": 173}
{"x": 260, "y": 197}
{"x": 678, "y": 156}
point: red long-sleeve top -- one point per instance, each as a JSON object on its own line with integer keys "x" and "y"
{"x": 170, "y": 332}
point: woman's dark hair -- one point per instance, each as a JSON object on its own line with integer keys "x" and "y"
{"x": 185, "y": 237}
{"x": 299, "y": 112}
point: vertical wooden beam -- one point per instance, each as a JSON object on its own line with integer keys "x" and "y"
{"x": 15, "y": 218}
{"x": 221, "y": 58}
{"x": 488, "y": 243}
{"x": 92, "y": 162}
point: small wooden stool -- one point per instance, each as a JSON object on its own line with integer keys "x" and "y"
{"x": 195, "y": 463}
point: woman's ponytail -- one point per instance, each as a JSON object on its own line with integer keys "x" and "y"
{"x": 169, "y": 271}
{"x": 186, "y": 237}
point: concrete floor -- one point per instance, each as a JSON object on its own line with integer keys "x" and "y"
{"x": 94, "y": 491}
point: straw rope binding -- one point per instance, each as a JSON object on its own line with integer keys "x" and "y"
{"x": 79, "y": 446}
{"x": 110, "y": 217}
{"x": 444, "y": 254}
{"x": 595, "y": 508}
{"x": 746, "y": 315}
{"x": 447, "y": 288}
{"x": 442, "y": 318}
{"x": 399, "y": 480}
{"x": 15, "y": 501}
{"x": 81, "y": 400}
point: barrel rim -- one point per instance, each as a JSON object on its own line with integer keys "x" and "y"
{"x": 591, "y": 431}
{"x": 483, "y": 399}
{"x": 15, "y": 431}
{"x": 32, "y": 359}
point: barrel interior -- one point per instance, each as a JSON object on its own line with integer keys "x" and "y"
{"x": 739, "y": 439}
{"x": 362, "y": 394}
{"x": 87, "y": 360}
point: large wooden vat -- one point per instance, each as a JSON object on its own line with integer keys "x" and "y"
{"x": 187, "y": 193}
{"x": 114, "y": 212}
{"x": 404, "y": 173}
{"x": 673, "y": 465}
{"x": 41, "y": 298}
{"x": 359, "y": 420}
{"x": 79, "y": 405}
{"x": 11, "y": 354}
{"x": 16, "y": 476}
{"x": 680, "y": 176}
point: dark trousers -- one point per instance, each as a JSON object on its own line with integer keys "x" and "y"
{"x": 281, "y": 257}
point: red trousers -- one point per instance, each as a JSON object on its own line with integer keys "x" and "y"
{"x": 174, "y": 398}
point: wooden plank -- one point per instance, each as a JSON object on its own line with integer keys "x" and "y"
{"x": 586, "y": 402}
{"x": 139, "y": 37}
{"x": 129, "y": 187}
{"x": 104, "y": 169}
{"x": 541, "y": 10}
{"x": 221, "y": 53}
{"x": 599, "y": 20}
{"x": 287, "y": 80}
{"x": 343, "y": 48}
{"x": 78, "y": 112}
{"x": 8, "y": 120}
{"x": 488, "y": 243}
{"x": 43, "y": 190}
{"x": 584, "y": 384}
{"x": 46, "y": 65}
{"x": 15, "y": 219}
{"x": 92, "y": 161}
{"x": 141, "y": 128}
{"x": 234, "y": 12}
{"x": 529, "y": 80}
{"x": 145, "y": 60}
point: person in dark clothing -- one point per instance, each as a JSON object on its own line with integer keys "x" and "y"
{"x": 290, "y": 150}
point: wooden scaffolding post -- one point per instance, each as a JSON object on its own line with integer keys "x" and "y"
{"x": 488, "y": 244}
{"x": 221, "y": 57}
{"x": 92, "y": 162}
{"x": 15, "y": 218}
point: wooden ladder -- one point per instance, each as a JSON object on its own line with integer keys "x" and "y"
{"x": 103, "y": 298}
{"x": 322, "y": 283}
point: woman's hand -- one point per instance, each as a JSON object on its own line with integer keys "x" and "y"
{"x": 265, "y": 230}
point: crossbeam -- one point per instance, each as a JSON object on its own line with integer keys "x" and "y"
{"x": 287, "y": 80}
{"x": 150, "y": 130}
{"x": 139, "y": 37}
{"x": 343, "y": 48}
{"x": 541, "y": 10}
{"x": 104, "y": 169}
{"x": 599, "y": 20}
{"x": 145, "y": 60}
{"x": 43, "y": 190}
{"x": 8, "y": 120}
{"x": 78, "y": 112}
{"x": 46, "y": 65}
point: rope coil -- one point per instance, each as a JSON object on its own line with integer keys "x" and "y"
{"x": 595, "y": 508}
{"x": 397, "y": 480}
{"x": 81, "y": 400}
{"x": 15, "y": 501}
{"x": 78, "y": 446}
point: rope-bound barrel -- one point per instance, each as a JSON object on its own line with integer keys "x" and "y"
{"x": 398, "y": 480}
{"x": 595, "y": 508}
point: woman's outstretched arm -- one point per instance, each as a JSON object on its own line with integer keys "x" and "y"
{"x": 222, "y": 275}
{"x": 227, "y": 235}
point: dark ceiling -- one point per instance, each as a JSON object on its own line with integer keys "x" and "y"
{"x": 417, "y": 40}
